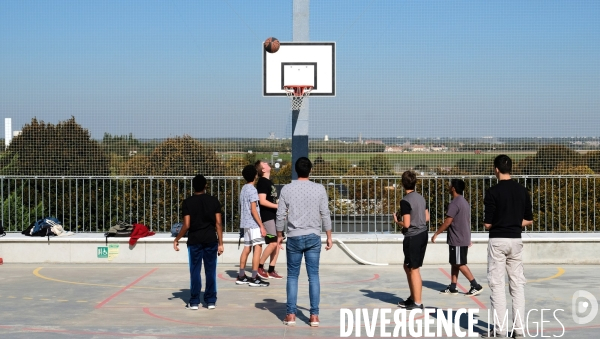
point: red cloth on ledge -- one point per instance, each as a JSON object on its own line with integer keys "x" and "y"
{"x": 139, "y": 231}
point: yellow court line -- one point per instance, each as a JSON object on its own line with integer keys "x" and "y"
{"x": 560, "y": 272}
{"x": 37, "y": 273}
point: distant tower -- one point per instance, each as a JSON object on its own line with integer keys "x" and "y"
{"x": 271, "y": 135}
{"x": 360, "y": 138}
{"x": 7, "y": 131}
{"x": 326, "y": 137}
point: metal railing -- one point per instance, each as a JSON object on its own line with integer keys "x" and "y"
{"x": 358, "y": 204}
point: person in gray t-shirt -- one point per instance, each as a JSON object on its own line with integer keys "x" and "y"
{"x": 458, "y": 224}
{"x": 413, "y": 217}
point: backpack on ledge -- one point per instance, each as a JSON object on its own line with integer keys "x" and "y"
{"x": 120, "y": 230}
{"x": 176, "y": 228}
{"x": 42, "y": 228}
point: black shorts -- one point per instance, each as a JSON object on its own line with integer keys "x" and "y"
{"x": 270, "y": 238}
{"x": 414, "y": 249}
{"x": 458, "y": 254}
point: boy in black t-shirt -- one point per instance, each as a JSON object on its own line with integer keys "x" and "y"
{"x": 267, "y": 195}
{"x": 202, "y": 217}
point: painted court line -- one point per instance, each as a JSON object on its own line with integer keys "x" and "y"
{"x": 481, "y": 305}
{"x": 560, "y": 272}
{"x": 125, "y": 288}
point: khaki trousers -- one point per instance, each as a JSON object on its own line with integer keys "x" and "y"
{"x": 505, "y": 255}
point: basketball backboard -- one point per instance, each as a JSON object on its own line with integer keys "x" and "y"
{"x": 300, "y": 63}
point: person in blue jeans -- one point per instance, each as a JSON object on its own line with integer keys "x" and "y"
{"x": 304, "y": 204}
{"x": 202, "y": 218}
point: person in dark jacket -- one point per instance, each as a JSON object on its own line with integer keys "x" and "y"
{"x": 507, "y": 211}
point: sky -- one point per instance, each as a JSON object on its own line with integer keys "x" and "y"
{"x": 159, "y": 69}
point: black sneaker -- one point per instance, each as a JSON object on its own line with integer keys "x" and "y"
{"x": 242, "y": 280}
{"x": 191, "y": 307}
{"x": 450, "y": 291}
{"x": 474, "y": 291}
{"x": 407, "y": 301}
{"x": 491, "y": 334}
{"x": 414, "y": 306}
{"x": 258, "y": 282}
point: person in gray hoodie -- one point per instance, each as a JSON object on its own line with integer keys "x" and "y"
{"x": 305, "y": 206}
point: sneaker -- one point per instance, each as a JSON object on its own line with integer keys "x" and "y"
{"x": 474, "y": 291}
{"x": 414, "y": 306}
{"x": 314, "y": 320}
{"x": 290, "y": 320}
{"x": 491, "y": 334}
{"x": 211, "y": 306}
{"x": 275, "y": 275}
{"x": 191, "y": 307}
{"x": 257, "y": 282}
{"x": 406, "y": 301}
{"x": 449, "y": 291}
{"x": 242, "y": 280}
{"x": 262, "y": 273}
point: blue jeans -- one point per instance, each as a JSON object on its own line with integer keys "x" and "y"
{"x": 208, "y": 254}
{"x": 309, "y": 246}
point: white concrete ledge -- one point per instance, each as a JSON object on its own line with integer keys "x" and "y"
{"x": 539, "y": 248}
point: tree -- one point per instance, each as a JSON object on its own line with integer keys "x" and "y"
{"x": 549, "y": 157}
{"x": 63, "y": 149}
{"x": 593, "y": 161}
{"x": 381, "y": 165}
{"x": 184, "y": 156}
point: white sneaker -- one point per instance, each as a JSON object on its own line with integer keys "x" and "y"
{"x": 211, "y": 306}
{"x": 191, "y": 307}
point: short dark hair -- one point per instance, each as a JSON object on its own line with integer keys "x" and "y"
{"x": 409, "y": 180}
{"x": 459, "y": 185}
{"x": 503, "y": 163}
{"x": 249, "y": 173}
{"x": 199, "y": 183}
{"x": 303, "y": 167}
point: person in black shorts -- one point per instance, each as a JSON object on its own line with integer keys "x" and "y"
{"x": 413, "y": 217}
{"x": 458, "y": 224}
{"x": 267, "y": 195}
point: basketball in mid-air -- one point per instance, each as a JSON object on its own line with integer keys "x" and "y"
{"x": 271, "y": 45}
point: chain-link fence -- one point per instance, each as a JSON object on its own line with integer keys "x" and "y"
{"x": 566, "y": 203}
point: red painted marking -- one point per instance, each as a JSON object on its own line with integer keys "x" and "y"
{"x": 481, "y": 305}
{"x": 375, "y": 277}
{"x": 150, "y": 313}
{"x": 124, "y": 289}
{"x": 121, "y": 334}
{"x": 111, "y": 334}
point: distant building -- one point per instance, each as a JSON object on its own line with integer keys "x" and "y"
{"x": 420, "y": 148}
{"x": 326, "y": 138}
{"x": 439, "y": 148}
{"x": 373, "y": 142}
{"x": 394, "y": 149}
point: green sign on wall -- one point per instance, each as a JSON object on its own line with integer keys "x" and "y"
{"x": 103, "y": 252}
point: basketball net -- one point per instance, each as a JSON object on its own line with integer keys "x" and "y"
{"x": 297, "y": 93}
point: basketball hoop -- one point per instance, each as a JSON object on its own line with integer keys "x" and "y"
{"x": 297, "y": 93}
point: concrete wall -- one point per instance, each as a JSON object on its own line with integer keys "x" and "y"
{"x": 546, "y": 248}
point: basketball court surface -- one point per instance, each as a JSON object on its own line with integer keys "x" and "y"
{"x": 148, "y": 301}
